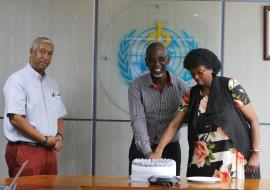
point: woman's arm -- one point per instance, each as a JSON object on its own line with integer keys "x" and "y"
{"x": 168, "y": 134}
{"x": 242, "y": 102}
{"x": 250, "y": 115}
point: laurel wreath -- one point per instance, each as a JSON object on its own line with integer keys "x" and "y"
{"x": 190, "y": 44}
{"x": 123, "y": 57}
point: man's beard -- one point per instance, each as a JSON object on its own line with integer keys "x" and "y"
{"x": 158, "y": 75}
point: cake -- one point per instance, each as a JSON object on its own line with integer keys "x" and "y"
{"x": 142, "y": 169}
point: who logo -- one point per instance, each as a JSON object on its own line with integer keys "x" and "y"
{"x": 132, "y": 47}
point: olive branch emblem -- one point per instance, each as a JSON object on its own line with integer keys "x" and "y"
{"x": 123, "y": 58}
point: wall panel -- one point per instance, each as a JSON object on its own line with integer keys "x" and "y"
{"x": 70, "y": 25}
{"x": 76, "y": 156}
{"x": 117, "y": 20}
{"x": 243, "y": 52}
{"x": 113, "y": 141}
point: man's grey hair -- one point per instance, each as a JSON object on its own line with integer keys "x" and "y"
{"x": 38, "y": 40}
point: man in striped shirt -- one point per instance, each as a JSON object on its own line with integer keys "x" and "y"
{"x": 153, "y": 101}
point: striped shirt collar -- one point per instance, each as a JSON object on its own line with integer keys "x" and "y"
{"x": 155, "y": 86}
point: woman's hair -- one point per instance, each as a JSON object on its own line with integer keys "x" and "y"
{"x": 205, "y": 57}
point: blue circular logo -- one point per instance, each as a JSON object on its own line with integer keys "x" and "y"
{"x": 132, "y": 47}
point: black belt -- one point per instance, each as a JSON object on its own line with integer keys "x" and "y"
{"x": 25, "y": 143}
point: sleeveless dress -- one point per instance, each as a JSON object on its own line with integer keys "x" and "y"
{"x": 214, "y": 153}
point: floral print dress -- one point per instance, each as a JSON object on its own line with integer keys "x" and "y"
{"x": 214, "y": 153}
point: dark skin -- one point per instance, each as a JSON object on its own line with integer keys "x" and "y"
{"x": 203, "y": 77}
{"x": 39, "y": 59}
{"x": 157, "y": 61}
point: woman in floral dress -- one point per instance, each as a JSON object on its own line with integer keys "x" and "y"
{"x": 223, "y": 130}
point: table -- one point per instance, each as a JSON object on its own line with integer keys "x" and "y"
{"x": 58, "y": 182}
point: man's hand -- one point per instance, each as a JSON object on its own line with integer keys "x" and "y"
{"x": 58, "y": 143}
{"x": 49, "y": 142}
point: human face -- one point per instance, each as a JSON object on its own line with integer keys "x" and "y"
{"x": 202, "y": 75}
{"x": 40, "y": 58}
{"x": 157, "y": 61}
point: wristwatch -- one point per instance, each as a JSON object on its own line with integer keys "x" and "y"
{"x": 45, "y": 142}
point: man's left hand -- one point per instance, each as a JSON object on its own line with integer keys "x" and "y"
{"x": 58, "y": 143}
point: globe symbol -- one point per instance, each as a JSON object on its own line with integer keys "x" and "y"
{"x": 131, "y": 52}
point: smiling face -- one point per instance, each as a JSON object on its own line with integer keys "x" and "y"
{"x": 157, "y": 60}
{"x": 40, "y": 57}
{"x": 202, "y": 75}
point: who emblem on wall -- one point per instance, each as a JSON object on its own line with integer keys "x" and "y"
{"x": 132, "y": 47}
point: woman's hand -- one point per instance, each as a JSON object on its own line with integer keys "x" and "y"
{"x": 253, "y": 163}
{"x": 155, "y": 155}
{"x": 249, "y": 114}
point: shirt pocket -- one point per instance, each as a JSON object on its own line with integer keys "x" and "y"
{"x": 55, "y": 104}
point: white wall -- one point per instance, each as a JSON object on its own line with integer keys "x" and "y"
{"x": 243, "y": 60}
{"x": 70, "y": 24}
{"x": 243, "y": 52}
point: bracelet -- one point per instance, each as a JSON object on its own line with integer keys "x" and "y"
{"x": 60, "y": 134}
{"x": 255, "y": 150}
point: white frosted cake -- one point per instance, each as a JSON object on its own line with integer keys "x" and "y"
{"x": 142, "y": 169}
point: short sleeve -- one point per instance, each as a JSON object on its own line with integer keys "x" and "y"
{"x": 185, "y": 102}
{"x": 15, "y": 97}
{"x": 238, "y": 93}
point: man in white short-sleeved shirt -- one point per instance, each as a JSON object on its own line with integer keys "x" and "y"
{"x": 33, "y": 123}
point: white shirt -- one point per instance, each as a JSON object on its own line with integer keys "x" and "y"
{"x": 37, "y": 98}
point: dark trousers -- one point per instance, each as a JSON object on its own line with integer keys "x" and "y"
{"x": 172, "y": 151}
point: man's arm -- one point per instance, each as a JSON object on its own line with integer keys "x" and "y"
{"x": 174, "y": 125}
{"x": 60, "y": 135}
{"x": 138, "y": 120}
{"x": 21, "y": 123}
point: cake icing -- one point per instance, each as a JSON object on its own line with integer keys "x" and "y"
{"x": 142, "y": 169}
